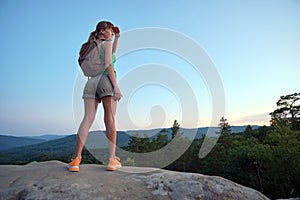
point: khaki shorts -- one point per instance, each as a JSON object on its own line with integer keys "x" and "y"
{"x": 98, "y": 87}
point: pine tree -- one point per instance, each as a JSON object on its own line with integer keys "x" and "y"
{"x": 225, "y": 128}
{"x": 175, "y": 128}
{"x": 287, "y": 112}
{"x": 248, "y": 132}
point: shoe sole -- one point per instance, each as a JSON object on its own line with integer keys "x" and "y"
{"x": 73, "y": 168}
{"x": 111, "y": 168}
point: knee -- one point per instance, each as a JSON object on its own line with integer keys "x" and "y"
{"x": 109, "y": 120}
{"x": 88, "y": 119}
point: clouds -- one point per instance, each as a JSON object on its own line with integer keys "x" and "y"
{"x": 258, "y": 119}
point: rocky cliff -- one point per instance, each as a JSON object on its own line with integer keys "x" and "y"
{"x": 51, "y": 180}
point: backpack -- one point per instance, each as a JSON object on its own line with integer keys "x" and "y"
{"x": 89, "y": 59}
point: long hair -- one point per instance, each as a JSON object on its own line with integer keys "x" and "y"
{"x": 95, "y": 35}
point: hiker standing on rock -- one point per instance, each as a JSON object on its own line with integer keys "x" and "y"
{"x": 101, "y": 87}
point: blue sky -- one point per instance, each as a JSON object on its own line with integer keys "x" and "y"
{"x": 254, "y": 45}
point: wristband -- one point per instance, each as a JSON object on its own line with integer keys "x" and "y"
{"x": 117, "y": 35}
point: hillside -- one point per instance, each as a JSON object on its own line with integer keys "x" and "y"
{"x": 10, "y": 142}
{"x": 47, "y": 137}
{"x": 41, "y": 151}
{"x": 63, "y": 148}
{"x": 187, "y": 132}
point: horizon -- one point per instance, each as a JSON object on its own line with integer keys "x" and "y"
{"x": 132, "y": 130}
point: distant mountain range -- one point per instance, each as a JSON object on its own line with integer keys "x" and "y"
{"x": 10, "y": 142}
{"x": 25, "y": 149}
{"x": 189, "y": 133}
{"x": 47, "y": 137}
{"x": 58, "y": 148}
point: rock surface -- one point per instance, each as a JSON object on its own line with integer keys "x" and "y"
{"x": 51, "y": 180}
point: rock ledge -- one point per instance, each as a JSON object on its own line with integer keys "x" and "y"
{"x": 51, "y": 180}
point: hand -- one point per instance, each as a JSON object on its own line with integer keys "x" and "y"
{"x": 116, "y": 30}
{"x": 117, "y": 93}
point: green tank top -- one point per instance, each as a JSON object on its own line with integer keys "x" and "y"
{"x": 102, "y": 57}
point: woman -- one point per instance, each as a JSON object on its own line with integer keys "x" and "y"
{"x": 103, "y": 88}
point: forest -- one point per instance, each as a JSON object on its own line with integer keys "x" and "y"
{"x": 266, "y": 159}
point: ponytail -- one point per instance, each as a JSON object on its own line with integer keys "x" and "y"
{"x": 85, "y": 46}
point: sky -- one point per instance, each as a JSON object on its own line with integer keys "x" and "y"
{"x": 253, "y": 44}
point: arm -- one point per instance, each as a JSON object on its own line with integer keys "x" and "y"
{"x": 117, "y": 35}
{"x": 115, "y": 44}
{"x": 110, "y": 69}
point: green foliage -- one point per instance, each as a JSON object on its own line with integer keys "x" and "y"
{"x": 175, "y": 128}
{"x": 265, "y": 159}
{"x": 225, "y": 128}
{"x": 248, "y": 132}
{"x": 288, "y": 111}
{"x": 138, "y": 144}
{"x": 59, "y": 149}
{"x": 281, "y": 162}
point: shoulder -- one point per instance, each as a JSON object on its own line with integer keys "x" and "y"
{"x": 107, "y": 45}
{"x": 106, "y": 42}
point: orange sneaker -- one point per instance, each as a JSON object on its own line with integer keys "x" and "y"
{"x": 113, "y": 164}
{"x": 74, "y": 165}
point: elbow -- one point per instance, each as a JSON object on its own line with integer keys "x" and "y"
{"x": 107, "y": 67}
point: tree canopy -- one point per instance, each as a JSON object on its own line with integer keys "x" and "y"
{"x": 288, "y": 111}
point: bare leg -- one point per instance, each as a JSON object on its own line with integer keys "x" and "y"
{"x": 109, "y": 106}
{"x": 90, "y": 109}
